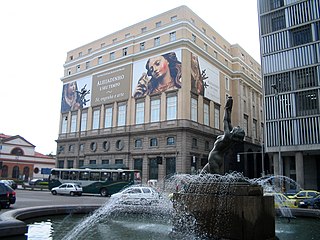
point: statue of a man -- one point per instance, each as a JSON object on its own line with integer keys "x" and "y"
{"x": 223, "y": 142}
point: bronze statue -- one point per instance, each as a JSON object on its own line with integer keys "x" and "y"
{"x": 223, "y": 142}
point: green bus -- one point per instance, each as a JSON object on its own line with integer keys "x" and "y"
{"x": 95, "y": 181}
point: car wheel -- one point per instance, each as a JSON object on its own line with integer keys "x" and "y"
{"x": 54, "y": 192}
{"x": 71, "y": 193}
{"x": 104, "y": 192}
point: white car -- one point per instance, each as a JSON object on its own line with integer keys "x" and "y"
{"x": 136, "y": 195}
{"x": 68, "y": 189}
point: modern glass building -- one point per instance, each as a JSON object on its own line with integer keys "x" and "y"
{"x": 290, "y": 56}
{"x": 152, "y": 96}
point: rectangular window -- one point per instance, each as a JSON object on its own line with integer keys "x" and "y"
{"x": 227, "y": 83}
{"x": 114, "y": 40}
{"x": 172, "y": 36}
{"x": 174, "y": 18}
{"x": 216, "y": 117}
{"x": 158, "y": 24}
{"x": 102, "y": 45}
{"x": 89, "y": 50}
{"x": 205, "y": 47}
{"x": 80, "y": 54}
{"x": 245, "y": 123}
{"x": 171, "y": 107}
{"x": 70, "y": 164}
{"x": 64, "y": 124}
{"x": 127, "y": 35}
{"x": 87, "y": 64}
{"x": 92, "y": 162}
{"x": 84, "y": 117}
{"x": 142, "y": 46}
{"x": 124, "y": 51}
{"x": 105, "y": 161}
{"x": 121, "y": 115}
{"x": 144, "y": 29}
{"x": 254, "y": 129}
{"x": 112, "y": 56}
{"x": 139, "y": 112}
{"x": 108, "y": 117}
{"x": 118, "y": 161}
{"x": 157, "y": 41}
{"x": 96, "y": 119}
{"x": 73, "y": 127}
{"x": 301, "y": 35}
{"x": 194, "y": 109}
{"x": 193, "y": 38}
{"x": 100, "y": 61}
{"x": 206, "y": 114}
{"x": 155, "y": 110}
{"x": 78, "y": 68}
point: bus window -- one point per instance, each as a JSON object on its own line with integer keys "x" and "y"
{"x": 126, "y": 176}
{"x": 137, "y": 176}
{"x": 114, "y": 176}
{"x": 84, "y": 175}
{"x": 74, "y": 175}
{"x": 65, "y": 175}
{"x": 94, "y": 176}
{"x": 105, "y": 176}
{"x": 55, "y": 174}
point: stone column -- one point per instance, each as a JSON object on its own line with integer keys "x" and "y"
{"x": 276, "y": 163}
{"x": 299, "y": 169}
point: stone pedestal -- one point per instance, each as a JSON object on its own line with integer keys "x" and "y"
{"x": 225, "y": 211}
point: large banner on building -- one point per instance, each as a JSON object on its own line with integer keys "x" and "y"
{"x": 111, "y": 85}
{"x": 205, "y": 79}
{"x": 76, "y": 94}
{"x": 157, "y": 74}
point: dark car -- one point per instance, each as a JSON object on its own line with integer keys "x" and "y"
{"x": 11, "y": 183}
{"x": 7, "y": 195}
{"x": 310, "y": 203}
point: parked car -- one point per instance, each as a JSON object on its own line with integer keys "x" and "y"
{"x": 281, "y": 200}
{"x": 7, "y": 195}
{"x": 137, "y": 195}
{"x": 36, "y": 181}
{"x": 67, "y": 189}
{"x": 291, "y": 192}
{"x": 310, "y": 203}
{"x": 304, "y": 194}
{"x": 11, "y": 183}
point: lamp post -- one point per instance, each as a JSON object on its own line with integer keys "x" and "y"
{"x": 274, "y": 86}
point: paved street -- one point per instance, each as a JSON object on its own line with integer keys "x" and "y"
{"x": 29, "y": 198}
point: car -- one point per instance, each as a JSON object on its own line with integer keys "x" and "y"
{"x": 304, "y": 194}
{"x": 281, "y": 200}
{"x": 36, "y": 181}
{"x": 67, "y": 189}
{"x": 137, "y": 195}
{"x": 7, "y": 195}
{"x": 11, "y": 183}
{"x": 310, "y": 203}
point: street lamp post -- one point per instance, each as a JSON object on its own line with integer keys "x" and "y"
{"x": 274, "y": 86}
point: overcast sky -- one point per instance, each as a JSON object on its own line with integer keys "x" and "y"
{"x": 37, "y": 34}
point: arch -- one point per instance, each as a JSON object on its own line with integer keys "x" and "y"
{"x": 4, "y": 172}
{"x": 17, "y": 151}
{"x": 15, "y": 172}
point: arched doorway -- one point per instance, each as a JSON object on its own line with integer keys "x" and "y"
{"x": 26, "y": 173}
{"x": 15, "y": 172}
{"x": 4, "y": 172}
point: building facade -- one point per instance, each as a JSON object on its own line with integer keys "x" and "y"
{"x": 151, "y": 97}
{"x": 290, "y": 56}
{"x": 20, "y": 161}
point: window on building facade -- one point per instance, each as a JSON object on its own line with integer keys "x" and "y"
{"x": 125, "y": 51}
{"x": 153, "y": 142}
{"x": 96, "y": 119}
{"x": 137, "y": 164}
{"x": 139, "y": 112}
{"x": 64, "y": 125}
{"x": 206, "y": 146}
{"x": 71, "y": 58}
{"x": 108, "y": 117}
{"x": 118, "y": 161}
{"x": 138, "y": 143}
{"x": 206, "y": 114}
{"x": 60, "y": 164}
{"x": 276, "y": 4}
{"x": 193, "y": 38}
{"x": 157, "y": 41}
{"x": 278, "y": 21}
{"x": 93, "y": 162}
{"x": 217, "y": 116}
{"x": 102, "y": 45}
{"x": 121, "y": 115}
{"x": 171, "y": 107}
{"x": 106, "y": 145}
{"x": 227, "y": 83}
{"x": 301, "y": 35}
{"x": 127, "y": 35}
{"x": 194, "y": 109}
{"x": 112, "y": 56}
{"x": 78, "y": 68}
{"x": 73, "y": 127}
{"x": 171, "y": 141}
{"x": 144, "y": 29}
{"x": 93, "y": 146}
{"x": 100, "y": 60}
{"x": 114, "y": 40}
{"x": 69, "y": 71}
{"x": 245, "y": 123}
{"x": 194, "y": 142}
{"x": 142, "y": 47}
{"x": 307, "y": 103}
{"x": 89, "y": 50}
{"x": 84, "y": 117}
{"x": 306, "y": 78}
{"x": 80, "y": 54}
{"x": 205, "y": 47}
{"x": 158, "y": 24}
{"x": 87, "y": 64}
{"x": 70, "y": 164}
{"x": 81, "y": 148}
{"x": 174, "y": 18}
{"x": 215, "y": 54}
{"x": 105, "y": 161}
{"x": 155, "y": 110}
{"x": 254, "y": 129}
{"x": 172, "y": 36}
